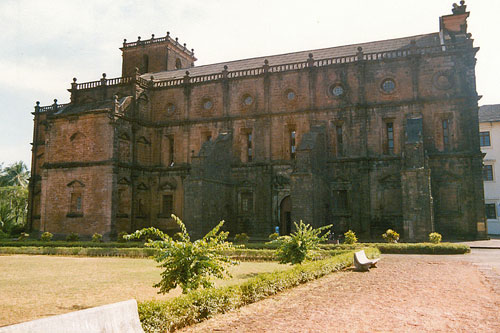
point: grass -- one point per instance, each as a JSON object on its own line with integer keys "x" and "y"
{"x": 38, "y": 286}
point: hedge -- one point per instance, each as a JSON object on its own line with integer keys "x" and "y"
{"x": 38, "y": 243}
{"x": 423, "y": 248}
{"x": 169, "y": 315}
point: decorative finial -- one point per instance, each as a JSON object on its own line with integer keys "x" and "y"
{"x": 151, "y": 77}
{"x": 74, "y": 80}
{"x": 103, "y": 75}
{"x": 360, "y": 49}
{"x": 184, "y": 46}
{"x": 310, "y": 55}
{"x": 55, "y": 100}
{"x": 138, "y": 38}
{"x": 176, "y": 39}
{"x": 187, "y": 73}
{"x": 124, "y": 40}
{"x": 192, "y": 51}
{"x": 152, "y": 36}
{"x": 168, "y": 33}
{"x": 37, "y": 103}
{"x": 266, "y": 62}
{"x": 225, "y": 67}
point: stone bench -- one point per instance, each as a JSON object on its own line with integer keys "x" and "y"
{"x": 119, "y": 317}
{"x": 362, "y": 263}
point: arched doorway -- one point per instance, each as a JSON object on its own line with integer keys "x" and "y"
{"x": 286, "y": 216}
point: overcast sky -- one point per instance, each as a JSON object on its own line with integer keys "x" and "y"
{"x": 44, "y": 44}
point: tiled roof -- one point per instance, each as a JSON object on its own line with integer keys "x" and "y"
{"x": 488, "y": 113}
{"x": 287, "y": 58}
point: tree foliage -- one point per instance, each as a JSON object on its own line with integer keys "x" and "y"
{"x": 188, "y": 264}
{"x": 13, "y": 197}
{"x": 301, "y": 244}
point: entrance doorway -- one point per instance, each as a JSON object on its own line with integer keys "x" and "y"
{"x": 286, "y": 216}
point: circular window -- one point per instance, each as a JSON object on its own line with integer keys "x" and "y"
{"x": 170, "y": 108}
{"x": 388, "y": 86}
{"x": 290, "y": 95}
{"x": 247, "y": 100}
{"x": 337, "y": 90}
{"x": 207, "y": 104}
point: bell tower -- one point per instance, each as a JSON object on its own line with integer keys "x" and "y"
{"x": 155, "y": 55}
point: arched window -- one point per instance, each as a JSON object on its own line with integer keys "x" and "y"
{"x": 178, "y": 64}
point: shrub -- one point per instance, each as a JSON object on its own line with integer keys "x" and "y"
{"x": 121, "y": 237}
{"x": 177, "y": 236}
{"x": 391, "y": 236}
{"x": 350, "y": 237}
{"x": 96, "y": 238}
{"x": 23, "y": 236}
{"x": 190, "y": 265}
{"x": 46, "y": 236}
{"x": 273, "y": 236}
{"x": 435, "y": 237}
{"x": 301, "y": 244}
{"x": 241, "y": 238}
{"x": 72, "y": 237}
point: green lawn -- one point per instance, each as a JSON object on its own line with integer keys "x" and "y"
{"x": 37, "y": 286}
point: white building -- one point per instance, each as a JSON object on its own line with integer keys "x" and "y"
{"x": 489, "y": 136}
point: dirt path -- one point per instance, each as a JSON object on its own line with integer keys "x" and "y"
{"x": 405, "y": 294}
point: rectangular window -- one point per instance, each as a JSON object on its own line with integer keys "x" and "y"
{"x": 340, "y": 141}
{"x": 340, "y": 202}
{"x": 484, "y": 139}
{"x": 76, "y": 202}
{"x": 249, "y": 147}
{"x": 491, "y": 211}
{"x": 488, "y": 172}
{"x": 390, "y": 138}
{"x": 247, "y": 202}
{"x": 171, "y": 150}
{"x": 446, "y": 134}
{"x": 292, "y": 144}
{"x": 167, "y": 205}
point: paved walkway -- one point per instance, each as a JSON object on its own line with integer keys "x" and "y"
{"x": 407, "y": 293}
{"x": 493, "y": 243}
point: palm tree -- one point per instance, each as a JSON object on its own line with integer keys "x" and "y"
{"x": 16, "y": 174}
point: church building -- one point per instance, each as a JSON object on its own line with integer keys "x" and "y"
{"x": 366, "y": 137}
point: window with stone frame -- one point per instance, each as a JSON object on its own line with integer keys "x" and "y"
{"x": 488, "y": 172}
{"x": 339, "y": 140}
{"x": 484, "y": 139}
{"x": 292, "y": 135}
{"x": 246, "y": 205}
{"x": 445, "y": 127}
{"x": 171, "y": 150}
{"x": 389, "y": 138}
{"x": 340, "y": 201}
{"x": 491, "y": 211}
{"x": 76, "y": 203}
{"x": 167, "y": 205}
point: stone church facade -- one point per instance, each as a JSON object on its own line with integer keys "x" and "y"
{"x": 368, "y": 137}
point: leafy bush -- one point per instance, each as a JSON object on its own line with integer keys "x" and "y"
{"x": 350, "y": 237}
{"x": 189, "y": 264}
{"x": 273, "y": 236}
{"x": 177, "y": 236}
{"x": 63, "y": 243}
{"x": 72, "y": 237}
{"x": 46, "y": 236}
{"x": 435, "y": 237}
{"x": 301, "y": 244}
{"x": 96, "y": 238}
{"x": 391, "y": 236}
{"x": 121, "y": 237}
{"x": 23, "y": 236}
{"x": 169, "y": 315}
{"x": 241, "y": 238}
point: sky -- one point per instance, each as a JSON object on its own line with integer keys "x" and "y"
{"x": 44, "y": 44}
